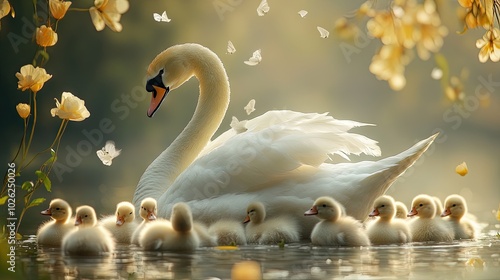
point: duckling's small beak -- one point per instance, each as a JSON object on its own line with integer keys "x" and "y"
{"x": 120, "y": 220}
{"x": 151, "y": 216}
{"x": 413, "y": 212}
{"x": 246, "y": 220}
{"x": 158, "y": 92}
{"x": 374, "y": 213}
{"x": 78, "y": 221}
{"x": 446, "y": 212}
{"x": 47, "y": 212}
{"x": 312, "y": 211}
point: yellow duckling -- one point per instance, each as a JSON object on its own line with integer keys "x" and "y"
{"x": 52, "y": 232}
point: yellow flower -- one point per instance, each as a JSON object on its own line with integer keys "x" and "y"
{"x": 489, "y": 45}
{"x": 31, "y": 78}
{"x": 58, "y": 8}
{"x": 23, "y": 110}
{"x": 45, "y": 36}
{"x": 389, "y": 64}
{"x": 382, "y": 26}
{"x": 476, "y": 15}
{"x": 431, "y": 32}
{"x": 70, "y": 107}
{"x": 108, "y": 12}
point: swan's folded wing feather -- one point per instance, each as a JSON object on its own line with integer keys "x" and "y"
{"x": 274, "y": 146}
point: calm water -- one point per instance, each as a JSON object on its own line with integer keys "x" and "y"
{"x": 294, "y": 261}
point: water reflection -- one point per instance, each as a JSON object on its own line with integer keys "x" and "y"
{"x": 295, "y": 261}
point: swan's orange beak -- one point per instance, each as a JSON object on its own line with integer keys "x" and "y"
{"x": 446, "y": 212}
{"x": 413, "y": 212}
{"x": 374, "y": 213}
{"x": 156, "y": 99}
{"x": 312, "y": 211}
{"x": 159, "y": 91}
{"x": 46, "y": 212}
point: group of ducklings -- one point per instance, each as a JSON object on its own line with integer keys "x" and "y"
{"x": 389, "y": 225}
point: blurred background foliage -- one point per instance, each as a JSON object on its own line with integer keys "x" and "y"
{"x": 299, "y": 71}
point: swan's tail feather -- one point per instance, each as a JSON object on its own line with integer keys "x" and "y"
{"x": 382, "y": 179}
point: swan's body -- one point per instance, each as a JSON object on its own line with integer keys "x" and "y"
{"x": 271, "y": 231}
{"x": 174, "y": 235}
{"x": 52, "y": 232}
{"x": 455, "y": 208}
{"x": 278, "y": 160}
{"x": 387, "y": 229}
{"x": 401, "y": 210}
{"x": 228, "y": 232}
{"x": 425, "y": 227}
{"x": 89, "y": 239}
{"x": 148, "y": 213}
{"x": 122, "y": 225}
{"x": 335, "y": 229}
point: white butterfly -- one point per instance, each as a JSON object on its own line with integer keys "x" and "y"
{"x": 250, "y": 107}
{"x": 163, "y": 17}
{"x": 255, "y": 59}
{"x": 230, "y": 47}
{"x": 263, "y": 8}
{"x": 302, "y": 13}
{"x": 238, "y": 126}
{"x": 108, "y": 153}
{"x": 323, "y": 32}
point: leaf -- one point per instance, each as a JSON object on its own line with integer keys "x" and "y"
{"x": 36, "y": 201}
{"x": 45, "y": 180}
{"x": 27, "y": 186}
{"x": 52, "y": 158}
{"x": 3, "y": 199}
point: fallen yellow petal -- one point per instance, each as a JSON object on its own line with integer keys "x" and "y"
{"x": 462, "y": 169}
{"x": 246, "y": 270}
{"x": 226, "y": 247}
{"x": 475, "y": 262}
{"x": 498, "y": 213}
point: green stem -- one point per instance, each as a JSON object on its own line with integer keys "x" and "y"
{"x": 32, "y": 131}
{"x": 78, "y": 9}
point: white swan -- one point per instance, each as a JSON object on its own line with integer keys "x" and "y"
{"x": 270, "y": 231}
{"x": 455, "y": 208}
{"x": 425, "y": 227}
{"x": 278, "y": 160}
{"x": 148, "y": 213}
{"x": 386, "y": 229}
{"x": 174, "y": 235}
{"x": 89, "y": 238}
{"x": 52, "y": 232}
{"x": 335, "y": 229}
{"x": 122, "y": 225}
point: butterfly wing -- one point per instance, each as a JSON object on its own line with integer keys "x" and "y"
{"x": 250, "y": 107}
{"x": 230, "y": 47}
{"x": 255, "y": 59}
{"x": 164, "y": 17}
{"x": 157, "y": 17}
{"x": 104, "y": 157}
{"x": 323, "y": 32}
{"x": 263, "y": 8}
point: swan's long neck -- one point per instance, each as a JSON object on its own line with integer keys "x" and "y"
{"x": 209, "y": 113}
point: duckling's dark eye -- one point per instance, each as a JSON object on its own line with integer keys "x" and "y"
{"x": 420, "y": 205}
{"x": 130, "y": 213}
{"x": 382, "y": 205}
{"x": 324, "y": 205}
{"x": 86, "y": 216}
{"x": 58, "y": 208}
{"x": 454, "y": 205}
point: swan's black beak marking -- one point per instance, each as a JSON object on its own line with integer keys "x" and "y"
{"x": 158, "y": 90}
